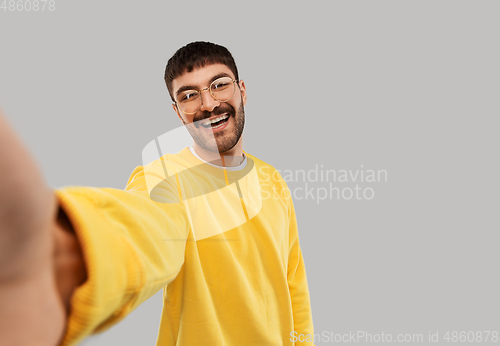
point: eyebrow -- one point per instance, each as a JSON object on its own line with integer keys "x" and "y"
{"x": 197, "y": 87}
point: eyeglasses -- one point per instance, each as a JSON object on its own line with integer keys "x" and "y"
{"x": 190, "y": 101}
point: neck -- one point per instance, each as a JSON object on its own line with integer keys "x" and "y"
{"x": 230, "y": 158}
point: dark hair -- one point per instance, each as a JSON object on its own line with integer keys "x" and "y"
{"x": 196, "y": 55}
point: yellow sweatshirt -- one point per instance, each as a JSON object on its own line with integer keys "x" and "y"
{"x": 223, "y": 245}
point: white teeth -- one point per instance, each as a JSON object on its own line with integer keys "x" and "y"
{"x": 208, "y": 122}
{"x": 216, "y": 127}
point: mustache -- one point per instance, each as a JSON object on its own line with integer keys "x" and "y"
{"x": 217, "y": 111}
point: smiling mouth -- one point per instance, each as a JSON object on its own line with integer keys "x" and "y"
{"x": 215, "y": 122}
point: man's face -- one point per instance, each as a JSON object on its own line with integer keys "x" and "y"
{"x": 226, "y": 133}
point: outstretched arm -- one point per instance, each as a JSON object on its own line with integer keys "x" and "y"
{"x": 132, "y": 247}
{"x": 76, "y": 260}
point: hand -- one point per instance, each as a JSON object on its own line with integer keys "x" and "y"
{"x": 33, "y": 257}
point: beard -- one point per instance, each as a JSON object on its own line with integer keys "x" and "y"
{"x": 218, "y": 142}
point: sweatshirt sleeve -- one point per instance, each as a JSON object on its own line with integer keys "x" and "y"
{"x": 297, "y": 284}
{"x": 132, "y": 247}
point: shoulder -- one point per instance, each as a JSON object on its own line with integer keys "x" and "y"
{"x": 268, "y": 173}
{"x": 261, "y": 164}
{"x": 156, "y": 170}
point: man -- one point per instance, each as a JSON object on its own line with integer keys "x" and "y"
{"x": 192, "y": 223}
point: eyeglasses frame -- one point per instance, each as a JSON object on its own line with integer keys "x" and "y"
{"x": 201, "y": 98}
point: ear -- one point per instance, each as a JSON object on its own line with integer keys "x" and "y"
{"x": 243, "y": 92}
{"x": 176, "y": 110}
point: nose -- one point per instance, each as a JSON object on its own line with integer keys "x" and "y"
{"x": 208, "y": 102}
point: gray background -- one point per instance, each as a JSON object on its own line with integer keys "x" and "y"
{"x": 409, "y": 87}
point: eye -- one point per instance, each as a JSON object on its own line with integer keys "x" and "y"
{"x": 188, "y": 96}
{"x": 220, "y": 85}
